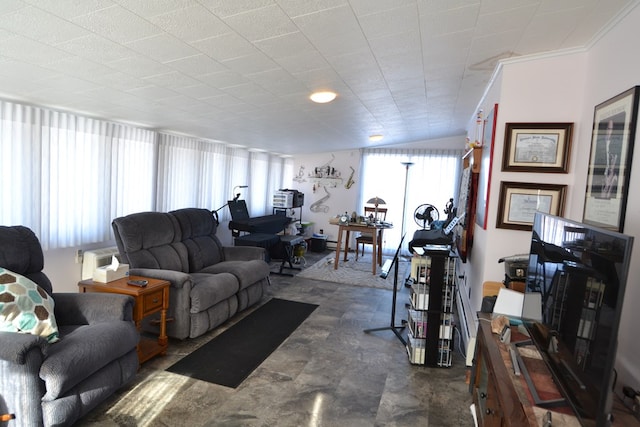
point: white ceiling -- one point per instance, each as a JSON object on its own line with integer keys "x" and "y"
{"x": 240, "y": 71}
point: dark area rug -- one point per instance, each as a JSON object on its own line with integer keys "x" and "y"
{"x": 230, "y": 357}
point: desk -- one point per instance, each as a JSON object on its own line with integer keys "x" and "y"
{"x": 377, "y": 249}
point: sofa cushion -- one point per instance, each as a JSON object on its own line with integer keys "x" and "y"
{"x": 247, "y": 272}
{"x": 83, "y": 351}
{"x": 209, "y": 289}
{"x": 25, "y": 307}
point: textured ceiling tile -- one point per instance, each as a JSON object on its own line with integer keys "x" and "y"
{"x": 118, "y": 80}
{"x": 412, "y": 69}
{"x": 449, "y": 21}
{"x": 162, "y": 48}
{"x": 226, "y": 46}
{"x": 295, "y": 8}
{"x": 152, "y": 92}
{"x": 40, "y": 25}
{"x": 260, "y": 24}
{"x": 173, "y": 80}
{"x": 224, "y": 8}
{"x": 21, "y": 70}
{"x": 341, "y": 44}
{"x": 148, "y": 8}
{"x": 223, "y": 79}
{"x": 369, "y": 7}
{"x": 139, "y": 66}
{"x": 69, "y": 8}
{"x": 303, "y": 62}
{"x": 330, "y": 22}
{"x": 196, "y": 65}
{"x": 393, "y": 21}
{"x": 199, "y": 91}
{"x": 96, "y": 48}
{"x": 191, "y": 24}
{"x": 285, "y": 45}
{"x": 251, "y": 64}
{"x": 80, "y": 67}
{"x": 498, "y": 22}
{"x": 118, "y": 24}
{"x": 30, "y": 51}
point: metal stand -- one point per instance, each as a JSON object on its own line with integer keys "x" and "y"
{"x": 392, "y": 327}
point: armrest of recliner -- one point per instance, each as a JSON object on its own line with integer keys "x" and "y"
{"x": 243, "y": 253}
{"x": 14, "y": 346}
{"x": 87, "y": 308}
{"x": 178, "y": 279}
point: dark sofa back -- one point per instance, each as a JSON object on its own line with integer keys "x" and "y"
{"x": 151, "y": 240}
{"x": 20, "y": 252}
{"x": 199, "y": 228}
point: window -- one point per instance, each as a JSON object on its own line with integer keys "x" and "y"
{"x": 66, "y": 176}
{"x": 432, "y": 177}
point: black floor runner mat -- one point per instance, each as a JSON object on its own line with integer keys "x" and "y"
{"x": 230, "y": 357}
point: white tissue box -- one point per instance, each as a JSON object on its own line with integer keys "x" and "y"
{"x": 105, "y": 275}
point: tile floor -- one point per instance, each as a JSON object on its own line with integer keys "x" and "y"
{"x": 327, "y": 373}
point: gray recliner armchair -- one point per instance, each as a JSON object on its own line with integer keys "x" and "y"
{"x": 47, "y": 384}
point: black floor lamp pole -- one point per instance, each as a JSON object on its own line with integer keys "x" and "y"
{"x": 392, "y": 327}
{"x": 404, "y": 200}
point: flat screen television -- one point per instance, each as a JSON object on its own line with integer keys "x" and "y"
{"x": 581, "y": 272}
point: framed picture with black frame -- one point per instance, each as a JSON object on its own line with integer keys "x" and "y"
{"x": 612, "y": 141}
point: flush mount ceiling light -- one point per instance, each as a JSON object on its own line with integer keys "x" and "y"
{"x": 376, "y": 137}
{"x": 323, "y": 97}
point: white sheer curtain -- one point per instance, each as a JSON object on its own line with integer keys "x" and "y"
{"x": 67, "y": 176}
{"x": 432, "y": 178}
{"x": 20, "y": 165}
{"x": 61, "y": 173}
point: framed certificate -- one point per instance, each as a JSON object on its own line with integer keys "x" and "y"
{"x": 537, "y": 147}
{"x": 519, "y": 201}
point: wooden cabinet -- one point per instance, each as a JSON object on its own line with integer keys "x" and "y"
{"x": 153, "y": 298}
{"x": 501, "y": 398}
{"x": 494, "y": 395}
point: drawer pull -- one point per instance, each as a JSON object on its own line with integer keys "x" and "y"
{"x": 155, "y": 300}
{"x": 483, "y": 395}
{"x": 489, "y": 412}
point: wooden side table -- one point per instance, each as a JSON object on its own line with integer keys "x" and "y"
{"x": 148, "y": 300}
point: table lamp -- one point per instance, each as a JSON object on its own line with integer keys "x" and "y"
{"x": 375, "y": 201}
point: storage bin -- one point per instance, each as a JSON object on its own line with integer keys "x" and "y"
{"x": 318, "y": 243}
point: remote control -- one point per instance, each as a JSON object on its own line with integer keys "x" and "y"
{"x": 140, "y": 283}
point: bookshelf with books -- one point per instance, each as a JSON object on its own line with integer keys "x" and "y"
{"x": 431, "y": 301}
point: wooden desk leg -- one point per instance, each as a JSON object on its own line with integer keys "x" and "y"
{"x": 338, "y": 248}
{"x": 346, "y": 244}
{"x": 374, "y": 251}
{"x": 380, "y": 246}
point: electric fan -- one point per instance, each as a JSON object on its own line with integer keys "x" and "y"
{"x": 425, "y": 215}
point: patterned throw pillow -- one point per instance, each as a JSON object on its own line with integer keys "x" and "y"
{"x": 25, "y": 307}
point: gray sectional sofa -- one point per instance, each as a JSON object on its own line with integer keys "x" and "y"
{"x": 209, "y": 282}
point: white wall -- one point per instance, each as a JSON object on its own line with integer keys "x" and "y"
{"x": 612, "y": 68}
{"x": 565, "y": 88}
{"x": 340, "y": 199}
